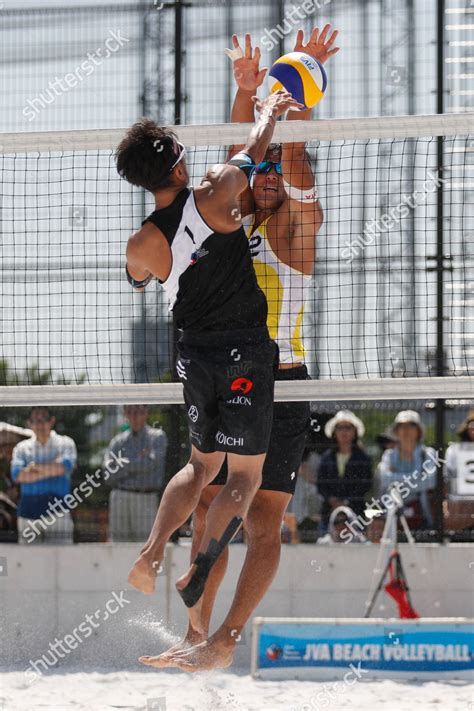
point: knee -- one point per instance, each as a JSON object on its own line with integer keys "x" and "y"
{"x": 241, "y": 481}
{"x": 200, "y": 472}
{"x": 263, "y": 533}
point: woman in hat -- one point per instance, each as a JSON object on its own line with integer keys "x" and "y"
{"x": 345, "y": 470}
{"x": 410, "y": 469}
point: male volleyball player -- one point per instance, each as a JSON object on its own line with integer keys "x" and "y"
{"x": 282, "y": 218}
{"x": 193, "y": 244}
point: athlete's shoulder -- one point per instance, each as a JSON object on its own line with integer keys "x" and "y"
{"x": 147, "y": 234}
{"x": 248, "y": 220}
{"x": 224, "y": 178}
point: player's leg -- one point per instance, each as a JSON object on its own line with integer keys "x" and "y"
{"x": 263, "y": 525}
{"x": 246, "y": 445}
{"x": 214, "y": 580}
{"x": 223, "y": 520}
{"x": 179, "y": 500}
{"x": 183, "y": 491}
{"x": 218, "y": 571}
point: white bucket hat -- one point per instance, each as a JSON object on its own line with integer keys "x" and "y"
{"x": 409, "y": 417}
{"x": 344, "y": 416}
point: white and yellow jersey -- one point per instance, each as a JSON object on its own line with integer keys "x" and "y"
{"x": 284, "y": 288}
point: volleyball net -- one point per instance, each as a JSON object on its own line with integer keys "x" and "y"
{"x": 391, "y": 298}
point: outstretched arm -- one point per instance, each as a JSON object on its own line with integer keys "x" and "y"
{"x": 248, "y": 77}
{"x": 295, "y": 164}
{"x": 221, "y": 188}
{"x": 306, "y": 214}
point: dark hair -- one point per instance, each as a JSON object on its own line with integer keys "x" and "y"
{"x": 40, "y": 407}
{"x": 464, "y": 436}
{"x": 274, "y": 148}
{"x": 146, "y": 154}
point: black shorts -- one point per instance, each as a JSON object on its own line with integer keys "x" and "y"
{"x": 287, "y": 441}
{"x": 228, "y": 382}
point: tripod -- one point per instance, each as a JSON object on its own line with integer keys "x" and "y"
{"x": 390, "y": 538}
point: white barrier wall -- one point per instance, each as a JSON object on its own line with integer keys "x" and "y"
{"x": 46, "y": 593}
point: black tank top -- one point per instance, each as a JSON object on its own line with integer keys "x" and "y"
{"x": 212, "y": 284}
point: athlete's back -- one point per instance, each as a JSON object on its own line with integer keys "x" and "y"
{"x": 212, "y": 284}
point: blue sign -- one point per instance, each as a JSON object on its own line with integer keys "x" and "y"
{"x": 399, "y": 647}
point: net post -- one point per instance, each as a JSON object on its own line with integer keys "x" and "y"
{"x": 440, "y": 266}
{"x": 178, "y": 60}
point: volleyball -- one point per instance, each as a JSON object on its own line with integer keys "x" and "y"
{"x": 301, "y": 75}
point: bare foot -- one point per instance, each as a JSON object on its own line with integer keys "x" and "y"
{"x": 165, "y": 658}
{"x": 214, "y": 653}
{"x": 143, "y": 574}
{"x": 195, "y": 612}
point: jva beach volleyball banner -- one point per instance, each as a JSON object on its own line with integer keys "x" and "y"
{"x": 321, "y": 647}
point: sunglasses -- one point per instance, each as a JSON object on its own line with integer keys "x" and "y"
{"x": 265, "y": 167}
{"x": 39, "y": 420}
{"x": 180, "y": 157}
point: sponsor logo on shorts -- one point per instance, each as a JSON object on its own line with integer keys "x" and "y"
{"x": 240, "y": 400}
{"x": 181, "y": 370}
{"x": 193, "y": 413}
{"x": 243, "y": 384}
{"x": 221, "y": 438}
{"x": 293, "y": 474}
{"x": 238, "y": 369}
{"x": 235, "y": 355}
{"x": 196, "y": 436}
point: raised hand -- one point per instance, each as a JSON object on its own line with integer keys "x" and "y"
{"x": 247, "y": 72}
{"x": 319, "y": 45}
{"x": 276, "y": 104}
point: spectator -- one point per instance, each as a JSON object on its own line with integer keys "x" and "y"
{"x": 460, "y": 460}
{"x": 340, "y": 529}
{"x": 345, "y": 470}
{"x": 43, "y": 465}
{"x": 135, "y": 487}
{"x": 411, "y": 464}
{"x": 306, "y": 503}
{"x": 9, "y": 492}
{"x": 386, "y": 439}
{"x": 459, "y": 475}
